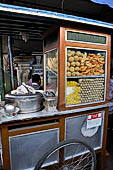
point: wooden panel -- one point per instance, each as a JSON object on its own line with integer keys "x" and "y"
{"x": 85, "y": 105}
{"x": 87, "y": 31}
{"x": 84, "y": 112}
{"x": 105, "y": 128}
{"x": 85, "y": 45}
{"x": 108, "y": 67}
{"x": 35, "y": 120}
{"x": 61, "y": 83}
{"x": 32, "y": 129}
{"x": 62, "y": 129}
{"x": 5, "y": 147}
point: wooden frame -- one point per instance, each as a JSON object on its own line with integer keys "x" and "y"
{"x": 62, "y": 47}
{"x": 11, "y": 129}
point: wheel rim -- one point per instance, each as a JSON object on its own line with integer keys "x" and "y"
{"x": 69, "y": 156}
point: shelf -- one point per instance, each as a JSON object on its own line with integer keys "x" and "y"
{"x": 90, "y": 76}
{"x": 52, "y": 71}
{"x": 79, "y": 104}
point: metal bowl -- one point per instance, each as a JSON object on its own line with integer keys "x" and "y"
{"x": 26, "y": 103}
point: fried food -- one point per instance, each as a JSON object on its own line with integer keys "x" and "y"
{"x": 79, "y": 63}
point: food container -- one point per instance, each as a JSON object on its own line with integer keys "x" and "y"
{"x": 50, "y": 101}
{"x": 27, "y": 103}
{"x": 50, "y": 104}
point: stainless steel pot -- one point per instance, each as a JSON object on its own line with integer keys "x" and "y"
{"x": 26, "y": 103}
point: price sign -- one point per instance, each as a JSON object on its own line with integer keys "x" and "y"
{"x": 94, "y": 120}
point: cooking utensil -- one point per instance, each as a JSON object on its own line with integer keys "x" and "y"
{"x": 27, "y": 103}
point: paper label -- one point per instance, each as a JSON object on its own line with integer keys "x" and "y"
{"x": 94, "y": 120}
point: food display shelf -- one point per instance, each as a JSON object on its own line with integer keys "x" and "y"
{"x": 77, "y": 67}
{"x": 89, "y": 76}
{"x": 86, "y": 76}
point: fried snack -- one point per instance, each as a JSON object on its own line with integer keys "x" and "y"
{"x": 72, "y": 69}
{"x": 56, "y": 54}
{"x": 53, "y": 64}
{"x": 77, "y": 73}
{"x": 54, "y": 60}
{"x": 77, "y": 68}
{"x": 74, "y": 97}
{"x": 68, "y": 64}
{"x": 83, "y": 68}
{"x": 101, "y": 71}
{"x": 77, "y": 64}
{"x": 71, "y": 59}
{"x": 82, "y": 64}
{"x": 73, "y": 64}
{"x": 94, "y": 63}
{"x": 69, "y": 53}
{"x": 73, "y": 74}
{"x": 91, "y": 89}
{"x": 72, "y": 83}
{"x": 68, "y": 68}
{"x": 76, "y": 58}
{"x": 78, "y": 53}
{"x": 68, "y": 74}
{"x": 80, "y": 58}
{"x": 72, "y": 53}
{"x": 84, "y": 55}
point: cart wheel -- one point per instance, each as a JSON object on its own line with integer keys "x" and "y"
{"x": 68, "y": 155}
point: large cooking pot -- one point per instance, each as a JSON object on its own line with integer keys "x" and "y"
{"x": 27, "y": 103}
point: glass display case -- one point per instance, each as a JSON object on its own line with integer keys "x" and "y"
{"x": 86, "y": 76}
{"x": 51, "y": 70}
{"x": 78, "y": 67}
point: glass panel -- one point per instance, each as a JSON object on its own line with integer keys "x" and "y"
{"x": 77, "y": 36}
{"x": 83, "y": 62}
{"x": 1, "y": 74}
{"x": 85, "y": 82}
{"x": 85, "y": 91}
{"x": 52, "y": 70}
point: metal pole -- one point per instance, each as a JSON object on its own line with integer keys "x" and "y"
{"x": 11, "y": 62}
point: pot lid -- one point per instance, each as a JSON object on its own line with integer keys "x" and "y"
{"x": 15, "y": 96}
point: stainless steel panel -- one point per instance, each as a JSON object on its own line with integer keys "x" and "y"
{"x": 73, "y": 131}
{"x": 27, "y": 149}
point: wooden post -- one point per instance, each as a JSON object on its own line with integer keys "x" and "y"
{"x": 5, "y": 147}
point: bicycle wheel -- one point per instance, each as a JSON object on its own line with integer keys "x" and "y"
{"x": 68, "y": 155}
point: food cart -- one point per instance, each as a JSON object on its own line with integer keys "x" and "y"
{"x": 76, "y": 68}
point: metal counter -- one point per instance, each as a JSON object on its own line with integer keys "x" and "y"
{"x": 43, "y": 113}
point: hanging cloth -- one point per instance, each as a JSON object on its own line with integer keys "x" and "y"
{"x": 106, "y": 2}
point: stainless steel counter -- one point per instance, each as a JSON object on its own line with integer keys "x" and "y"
{"x": 42, "y": 114}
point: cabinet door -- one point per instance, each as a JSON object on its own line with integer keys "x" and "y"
{"x": 27, "y": 149}
{"x": 76, "y": 128}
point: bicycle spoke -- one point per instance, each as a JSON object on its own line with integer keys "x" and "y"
{"x": 79, "y": 160}
{"x": 70, "y": 155}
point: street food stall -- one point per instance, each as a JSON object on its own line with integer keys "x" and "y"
{"x": 76, "y": 74}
